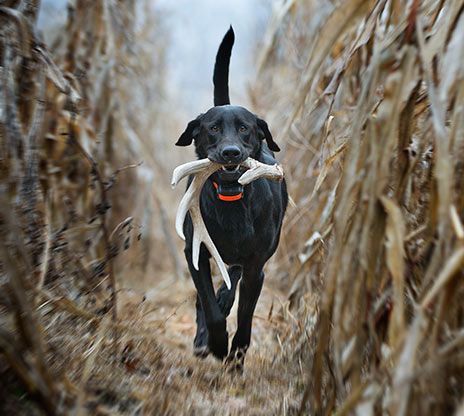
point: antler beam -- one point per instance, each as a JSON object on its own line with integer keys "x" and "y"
{"x": 202, "y": 170}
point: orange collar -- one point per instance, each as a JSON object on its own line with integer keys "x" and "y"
{"x": 228, "y": 198}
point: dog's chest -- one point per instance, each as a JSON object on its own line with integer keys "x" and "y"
{"x": 233, "y": 232}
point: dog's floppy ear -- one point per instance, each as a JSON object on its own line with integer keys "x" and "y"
{"x": 267, "y": 135}
{"x": 192, "y": 130}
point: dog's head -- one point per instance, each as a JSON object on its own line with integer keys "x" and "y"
{"x": 228, "y": 135}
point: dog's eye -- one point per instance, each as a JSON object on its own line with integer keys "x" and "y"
{"x": 214, "y": 128}
{"x": 242, "y": 128}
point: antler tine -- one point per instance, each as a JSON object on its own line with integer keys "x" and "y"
{"x": 260, "y": 170}
{"x": 202, "y": 169}
{"x": 190, "y": 202}
{"x": 190, "y": 168}
{"x": 200, "y": 235}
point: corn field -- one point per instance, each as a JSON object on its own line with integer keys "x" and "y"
{"x": 361, "y": 311}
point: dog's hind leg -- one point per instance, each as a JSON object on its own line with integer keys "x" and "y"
{"x": 226, "y": 297}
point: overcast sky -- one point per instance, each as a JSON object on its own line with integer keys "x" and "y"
{"x": 195, "y": 30}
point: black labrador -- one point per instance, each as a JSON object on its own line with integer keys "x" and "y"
{"x": 243, "y": 222}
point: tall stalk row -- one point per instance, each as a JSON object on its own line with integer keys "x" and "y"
{"x": 369, "y": 99}
{"x": 68, "y": 153}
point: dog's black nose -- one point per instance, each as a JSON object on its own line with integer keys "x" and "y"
{"x": 231, "y": 153}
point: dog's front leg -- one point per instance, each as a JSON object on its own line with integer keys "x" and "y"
{"x": 250, "y": 289}
{"x": 200, "y": 343}
{"x": 214, "y": 319}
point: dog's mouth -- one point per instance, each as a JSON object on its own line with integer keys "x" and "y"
{"x": 231, "y": 168}
{"x": 230, "y": 173}
{"x": 226, "y": 180}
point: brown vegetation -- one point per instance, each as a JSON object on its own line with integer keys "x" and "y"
{"x": 371, "y": 98}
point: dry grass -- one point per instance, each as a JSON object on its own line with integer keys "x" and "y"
{"x": 371, "y": 99}
{"x": 362, "y": 313}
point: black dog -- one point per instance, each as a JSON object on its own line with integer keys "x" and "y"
{"x": 243, "y": 222}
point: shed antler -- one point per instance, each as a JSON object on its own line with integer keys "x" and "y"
{"x": 202, "y": 170}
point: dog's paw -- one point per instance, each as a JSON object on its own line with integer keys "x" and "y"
{"x": 218, "y": 345}
{"x": 200, "y": 344}
{"x": 201, "y": 351}
{"x": 235, "y": 361}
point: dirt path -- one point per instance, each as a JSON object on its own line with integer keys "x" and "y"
{"x": 183, "y": 384}
{"x": 176, "y": 305}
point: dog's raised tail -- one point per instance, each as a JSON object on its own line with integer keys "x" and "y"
{"x": 221, "y": 69}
